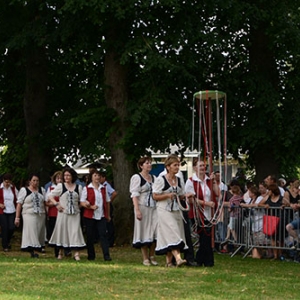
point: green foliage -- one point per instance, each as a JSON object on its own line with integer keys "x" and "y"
{"x": 264, "y": 100}
{"x": 170, "y": 49}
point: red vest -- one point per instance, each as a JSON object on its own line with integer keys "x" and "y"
{"x": 199, "y": 194}
{"x": 52, "y": 210}
{"x": 91, "y": 197}
{"x": 2, "y": 197}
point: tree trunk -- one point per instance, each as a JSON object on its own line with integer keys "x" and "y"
{"x": 116, "y": 98}
{"x": 262, "y": 59}
{"x": 35, "y": 107}
{"x": 264, "y": 163}
{"x": 263, "y": 67}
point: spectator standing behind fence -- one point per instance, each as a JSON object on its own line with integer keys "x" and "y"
{"x": 273, "y": 202}
{"x": 67, "y": 232}
{"x": 222, "y": 186}
{"x": 234, "y": 210}
{"x": 31, "y": 202}
{"x": 170, "y": 230}
{"x": 256, "y": 217}
{"x": 292, "y": 199}
{"x": 282, "y": 183}
{"x": 271, "y": 179}
{"x": 8, "y": 200}
{"x": 246, "y": 196}
{"x": 112, "y": 195}
{"x": 263, "y": 190}
{"x": 95, "y": 201}
{"x": 145, "y": 213}
{"x": 221, "y": 227}
{"x": 206, "y": 192}
{"x": 291, "y": 196}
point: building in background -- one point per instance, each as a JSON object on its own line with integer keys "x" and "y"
{"x": 233, "y": 166}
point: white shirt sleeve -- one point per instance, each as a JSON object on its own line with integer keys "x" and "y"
{"x": 83, "y": 197}
{"x": 44, "y": 194}
{"x": 189, "y": 187}
{"x": 79, "y": 191}
{"x": 135, "y": 185}
{"x": 158, "y": 185}
{"x": 109, "y": 188}
{"x": 107, "y": 196}
{"x": 47, "y": 193}
{"x": 21, "y": 195}
{"x": 57, "y": 191}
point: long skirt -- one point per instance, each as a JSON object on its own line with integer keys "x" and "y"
{"x": 34, "y": 231}
{"x": 170, "y": 232}
{"x": 67, "y": 232}
{"x": 145, "y": 230}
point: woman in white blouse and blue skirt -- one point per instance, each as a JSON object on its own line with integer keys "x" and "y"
{"x": 31, "y": 202}
{"x": 170, "y": 231}
{"x": 67, "y": 232}
{"x": 145, "y": 221}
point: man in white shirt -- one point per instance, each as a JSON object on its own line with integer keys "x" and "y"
{"x": 112, "y": 194}
{"x": 8, "y": 198}
{"x": 272, "y": 179}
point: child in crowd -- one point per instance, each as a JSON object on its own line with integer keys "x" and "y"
{"x": 234, "y": 203}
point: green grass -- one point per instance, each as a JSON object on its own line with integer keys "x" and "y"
{"x": 125, "y": 277}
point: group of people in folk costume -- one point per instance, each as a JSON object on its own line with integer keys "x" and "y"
{"x": 162, "y": 224}
{"x": 66, "y": 205}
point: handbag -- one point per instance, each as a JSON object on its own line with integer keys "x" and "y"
{"x": 270, "y": 225}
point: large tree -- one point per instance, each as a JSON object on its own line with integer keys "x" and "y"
{"x": 144, "y": 79}
{"x": 263, "y": 91}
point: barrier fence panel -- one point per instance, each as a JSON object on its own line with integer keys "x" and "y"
{"x": 260, "y": 228}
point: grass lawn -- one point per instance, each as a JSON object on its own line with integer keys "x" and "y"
{"x": 125, "y": 277}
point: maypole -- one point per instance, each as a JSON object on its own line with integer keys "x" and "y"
{"x": 210, "y": 112}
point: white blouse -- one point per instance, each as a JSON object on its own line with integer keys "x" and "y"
{"x": 98, "y": 213}
{"x": 189, "y": 188}
{"x": 8, "y": 197}
{"x": 144, "y": 192}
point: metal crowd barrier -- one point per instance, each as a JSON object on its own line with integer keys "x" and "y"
{"x": 246, "y": 229}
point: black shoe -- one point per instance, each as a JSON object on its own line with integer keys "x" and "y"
{"x": 294, "y": 245}
{"x": 34, "y": 255}
{"x": 223, "y": 243}
{"x": 191, "y": 264}
{"x": 227, "y": 241}
{"x": 209, "y": 265}
{"x": 108, "y": 258}
{"x": 68, "y": 253}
